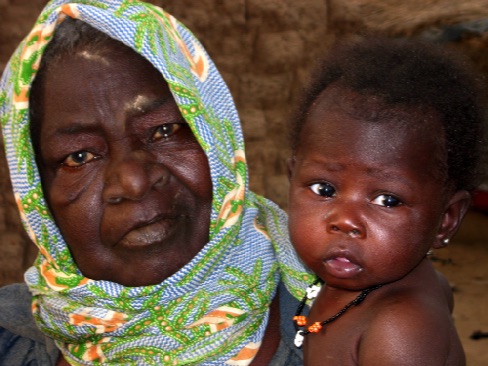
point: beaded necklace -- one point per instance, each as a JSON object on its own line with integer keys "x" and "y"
{"x": 311, "y": 293}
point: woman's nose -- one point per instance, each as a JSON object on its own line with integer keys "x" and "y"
{"x": 132, "y": 176}
{"x": 346, "y": 220}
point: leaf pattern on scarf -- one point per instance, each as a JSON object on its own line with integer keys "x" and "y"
{"x": 215, "y": 309}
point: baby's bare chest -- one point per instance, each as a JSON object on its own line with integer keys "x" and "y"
{"x": 338, "y": 342}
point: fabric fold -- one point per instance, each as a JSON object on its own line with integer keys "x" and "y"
{"x": 215, "y": 309}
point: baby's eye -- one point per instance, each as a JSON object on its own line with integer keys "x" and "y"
{"x": 165, "y": 131}
{"x": 386, "y": 200}
{"x": 78, "y": 158}
{"x": 323, "y": 189}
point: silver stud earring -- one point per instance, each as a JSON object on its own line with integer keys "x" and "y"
{"x": 445, "y": 241}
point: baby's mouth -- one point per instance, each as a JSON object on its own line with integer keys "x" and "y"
{"x": 342, "y": 267}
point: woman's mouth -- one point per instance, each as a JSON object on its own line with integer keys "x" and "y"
{"x": 151, "y": 233}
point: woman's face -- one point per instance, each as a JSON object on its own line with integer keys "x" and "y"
{"x": 124, "y": 177}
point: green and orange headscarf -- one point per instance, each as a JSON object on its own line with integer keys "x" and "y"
{"x": 213, "y": 311}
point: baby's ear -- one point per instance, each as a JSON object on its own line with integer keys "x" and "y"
{"x": 290, "y": 163}
{"x": 453, "y": 215}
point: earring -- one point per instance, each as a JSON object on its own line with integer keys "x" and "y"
{"x": 430, "y": 252}
{"x": 445, "y": 241}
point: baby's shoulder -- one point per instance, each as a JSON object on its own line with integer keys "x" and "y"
{"x": 410, "y": 308}
{"x": 410, "y": 325}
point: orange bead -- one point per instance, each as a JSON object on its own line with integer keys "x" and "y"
{"x": 300, "y": 320}
{"x": 315, "y": 327}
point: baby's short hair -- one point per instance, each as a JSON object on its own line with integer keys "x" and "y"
{"x": 411, "y": 73}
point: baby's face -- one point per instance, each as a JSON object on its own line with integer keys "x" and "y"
{"x": 125, "y": 179}
{"x": 366, "y": 200}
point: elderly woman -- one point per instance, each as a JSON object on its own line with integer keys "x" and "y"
{"x": 128, "y": 166}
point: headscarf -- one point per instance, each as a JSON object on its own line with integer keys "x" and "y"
{"x": 214, "y": 310}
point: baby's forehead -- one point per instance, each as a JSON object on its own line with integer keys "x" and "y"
{"x": 401, "y": 139}
{"x": 370, "y": 107}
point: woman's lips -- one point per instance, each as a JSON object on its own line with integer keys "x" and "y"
{"x": 341, "y": 267}
{"x": 152, "y": 233}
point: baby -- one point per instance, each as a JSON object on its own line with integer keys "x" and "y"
{"x": 386, "y": 150}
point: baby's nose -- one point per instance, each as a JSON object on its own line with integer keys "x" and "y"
{"x": 345, "y": 219}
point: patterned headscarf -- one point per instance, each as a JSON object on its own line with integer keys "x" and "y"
{"x": 215, "y": 309}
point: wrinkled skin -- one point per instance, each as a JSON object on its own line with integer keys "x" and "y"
{"x": 125, "y": 179}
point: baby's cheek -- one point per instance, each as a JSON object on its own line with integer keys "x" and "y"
{"x": 300, "y": 235}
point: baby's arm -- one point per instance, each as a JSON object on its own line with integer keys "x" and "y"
{"x": 407, "y": 333}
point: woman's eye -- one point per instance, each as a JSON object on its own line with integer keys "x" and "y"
{"x": 386, "y": 200}
{"x": 323, "y": 189}
{"x": 165, "y": 131}
{"x": 78, "y": 158}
